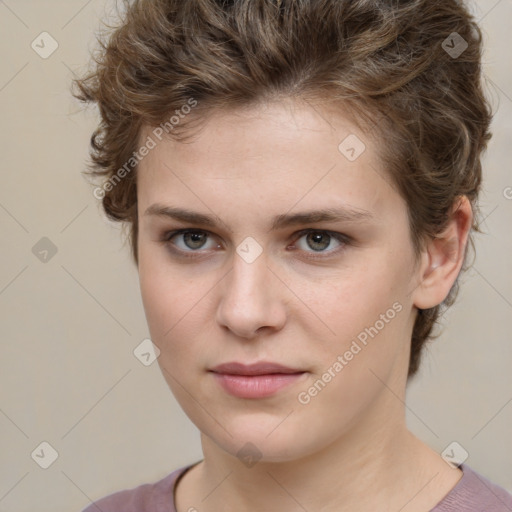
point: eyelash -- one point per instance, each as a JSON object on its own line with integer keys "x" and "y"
{"x": 343, "y": 239}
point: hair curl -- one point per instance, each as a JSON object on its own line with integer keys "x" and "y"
{"x": 387, "y": 60}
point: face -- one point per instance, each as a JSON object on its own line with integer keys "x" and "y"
{"x": 258, "y": 278}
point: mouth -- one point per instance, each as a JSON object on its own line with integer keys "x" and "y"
{"x": 261, "y": 368}
{"x": 259, "y": 380}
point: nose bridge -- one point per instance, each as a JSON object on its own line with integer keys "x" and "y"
{"x": 246, "y": 283}
{"x": 249, "y": 299}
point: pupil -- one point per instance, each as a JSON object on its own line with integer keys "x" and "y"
{"x": 316, "y": 237}
{"x": 196, "y": 237}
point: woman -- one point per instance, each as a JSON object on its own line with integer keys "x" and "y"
{"x": 300, "y": 178}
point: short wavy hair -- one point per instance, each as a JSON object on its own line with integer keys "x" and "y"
{"x": 409, "y": 70}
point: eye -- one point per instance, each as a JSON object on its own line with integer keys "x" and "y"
{"x": 319, "y": 240}
{"x": 190, "y": 242}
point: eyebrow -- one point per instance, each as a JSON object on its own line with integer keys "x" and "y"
{"x": 343, "y": 214}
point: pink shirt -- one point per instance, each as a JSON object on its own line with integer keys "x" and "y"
{"x": 472, "y": 493}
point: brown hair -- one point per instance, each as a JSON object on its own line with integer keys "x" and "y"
{"x": 404, "y": 63}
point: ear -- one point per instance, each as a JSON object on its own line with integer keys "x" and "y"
{"x": 443, "y": 257}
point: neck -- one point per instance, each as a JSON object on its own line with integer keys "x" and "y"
{"x": 376, "y": 461}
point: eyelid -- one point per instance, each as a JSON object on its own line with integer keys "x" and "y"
{"x": 168, "y": 235}
{"x": 340, "y": 237}
{"x": 343, "y": 239}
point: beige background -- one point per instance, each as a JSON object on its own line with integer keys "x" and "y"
{"x": 69, "y": 326}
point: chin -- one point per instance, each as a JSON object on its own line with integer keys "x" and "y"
{"x": 256, "y": 438}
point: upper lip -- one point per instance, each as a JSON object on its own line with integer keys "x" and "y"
{"x": 261, "y": 368}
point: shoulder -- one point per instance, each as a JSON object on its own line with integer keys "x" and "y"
{"x": 474, "y": 493}
{"x": 151, "y": 497}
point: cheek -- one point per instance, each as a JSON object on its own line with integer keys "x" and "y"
{"x": 365, "y": 311}
{"x": 175, "y": 308}
{"x": 163, "y": 289}
{"x": 371, "y": 342}
{"x": 159, "y": 300}
{"x": 155, "y": 296}
{"x": 352, "y": 299}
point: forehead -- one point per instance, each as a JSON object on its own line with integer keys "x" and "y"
{"x": 275, "y": 154}
{"x": 285, "y": 129}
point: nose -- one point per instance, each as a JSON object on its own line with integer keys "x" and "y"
{"x": 251, "y": 299}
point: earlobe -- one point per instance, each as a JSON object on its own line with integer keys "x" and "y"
{"x": 443, "y": 257}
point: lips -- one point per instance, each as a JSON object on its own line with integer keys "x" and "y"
{"x": 262, "y": 368}
{"x": 256, "y": 381}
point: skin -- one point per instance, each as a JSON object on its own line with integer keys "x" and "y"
{"x": 348, "y": 449}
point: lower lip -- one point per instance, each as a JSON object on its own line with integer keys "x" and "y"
{"x": 256, "y": 386}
